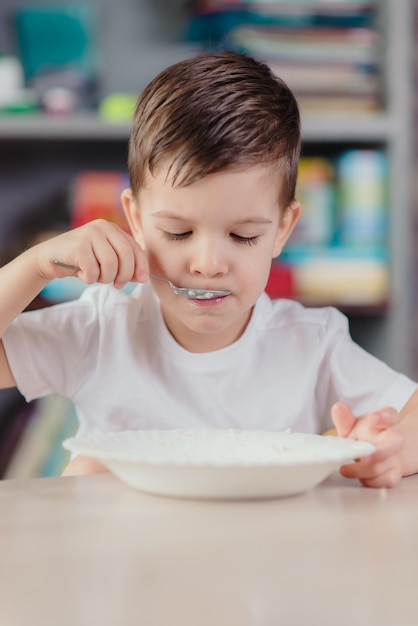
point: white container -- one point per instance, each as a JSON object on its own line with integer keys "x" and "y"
{"x": 11, "y": 80}
{"x": 363, "y": 200}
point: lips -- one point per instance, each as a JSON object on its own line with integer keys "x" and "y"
{"x": 207, "y": 301}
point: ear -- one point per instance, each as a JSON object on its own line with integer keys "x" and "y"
{"x": 288, "y": 221}
{"x": 131, "y": 210}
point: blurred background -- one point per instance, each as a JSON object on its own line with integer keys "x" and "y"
{"x": 70, "y": 73}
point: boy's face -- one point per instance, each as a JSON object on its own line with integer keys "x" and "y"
{"x": 221, "y": 233}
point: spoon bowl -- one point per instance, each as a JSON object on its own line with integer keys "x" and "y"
{"x": 191, "y": 293}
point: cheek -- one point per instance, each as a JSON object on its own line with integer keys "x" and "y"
{"x": 151, "y": 239}
{"x": 259, "y": 267}
{"x": 161, "y": 255}
{"x": 255, "y": 272}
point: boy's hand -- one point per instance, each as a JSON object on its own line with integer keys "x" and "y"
{"x": 383, "y": 468}
{"x": 102, "y": 250}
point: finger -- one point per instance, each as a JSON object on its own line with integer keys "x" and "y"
{"x": 133, "y": 265}
{"x": 126, "y": 263}
{"x": 79, "y": 245}
{"x": 388, "y": 443}
{"x": 107, "y": 261}
{"x": 87, "y": 275}
{"x": 113, "y": 250}
{"x": 369, "y": 427}
{"x": 93, "y": 265}
{"x": 388, "y": 446}
{"x": 366, "y": 471}
{"x": 89, "y": 268}
{"x": 390, "y": 478}
{"x": 141, "y": 271}
{"x": 343, "y": 418}
{"x": 384, "y": 418}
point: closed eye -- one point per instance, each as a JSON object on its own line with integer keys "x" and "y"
{"x": 248, "y": 241}
{"x": 176, "y": 236}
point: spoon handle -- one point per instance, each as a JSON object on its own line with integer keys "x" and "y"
{"x": 68, "y": 266}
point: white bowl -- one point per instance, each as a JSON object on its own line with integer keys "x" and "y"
{"x": 219, "y": 464}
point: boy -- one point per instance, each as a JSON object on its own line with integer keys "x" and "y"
{"x": 213, "y": 162}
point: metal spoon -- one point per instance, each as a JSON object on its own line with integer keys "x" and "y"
{"x": 192, "y": 294}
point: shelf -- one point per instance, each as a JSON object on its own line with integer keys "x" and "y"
{"x": 86, "y": 126}
{"x": 89, "y": 126}
{"x": 350, "y": 309}
{"x": 352, "y": 128}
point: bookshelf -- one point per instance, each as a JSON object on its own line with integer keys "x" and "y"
{"x": 40, "y": 155}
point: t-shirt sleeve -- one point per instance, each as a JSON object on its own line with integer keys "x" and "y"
{"x": 52, "y": 350}
{"x": 351, "y": 374}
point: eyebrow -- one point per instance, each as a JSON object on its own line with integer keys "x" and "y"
{"x": 250, "y": 220}
{"x": 255, "y": 220}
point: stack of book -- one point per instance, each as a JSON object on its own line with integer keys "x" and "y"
{"x": 329, "y": 52}
{"x": 37, "y": 451}
{"x": 96, "y": 195}
{"x": 338, "y": 252}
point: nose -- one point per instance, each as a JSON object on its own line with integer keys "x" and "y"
{"x": 209, "y": 258}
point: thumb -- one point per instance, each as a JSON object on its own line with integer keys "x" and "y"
{"x": 343, "y": 419}
{"x": 141, "y": 272}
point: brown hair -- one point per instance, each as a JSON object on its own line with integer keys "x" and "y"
{"x": 213, "y": 112}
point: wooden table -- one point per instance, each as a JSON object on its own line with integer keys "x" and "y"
{"x": 90, "y": 551}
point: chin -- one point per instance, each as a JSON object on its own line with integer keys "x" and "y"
{"x": 210, "y": 328}
{"x": 207, "y": 329}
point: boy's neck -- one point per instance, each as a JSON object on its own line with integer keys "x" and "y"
{"x": 201, "y": 342}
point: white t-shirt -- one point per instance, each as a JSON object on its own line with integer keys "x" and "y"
{"x": 112, "y": 355}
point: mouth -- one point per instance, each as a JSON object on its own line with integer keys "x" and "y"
{"x": 194, "y": 293}
{"x": 206, "y": 294}
{"x": 206, "y": 301}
